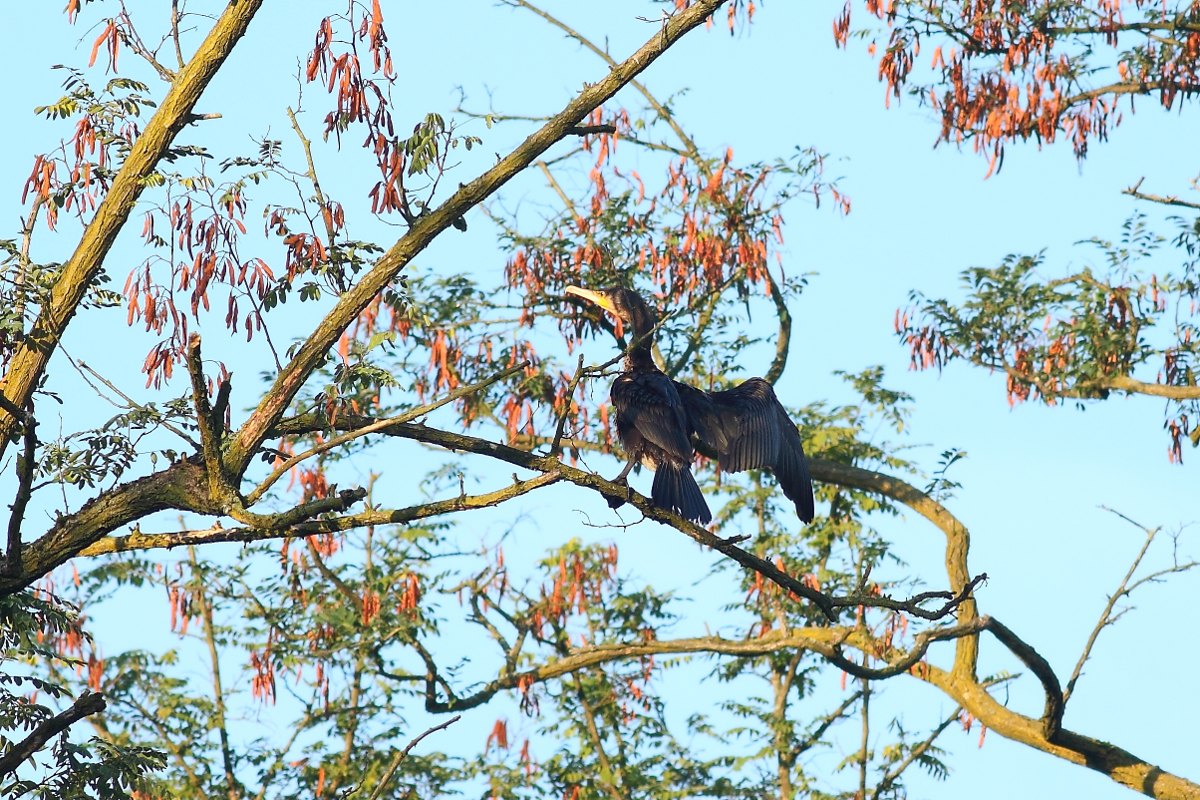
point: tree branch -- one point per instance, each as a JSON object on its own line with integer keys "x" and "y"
{"x": 32, "y": 354}
{"x": 1167, "y": 200}
{"x": 152, "y": 541}
{"x": 310, "y": 354}
{"x": 1052, "y": 716}
{"x": 377, "y": 792}
{"x": 379, "y": 426}
{"x": 26, "y": 464}
{"x": 88, "y": 703}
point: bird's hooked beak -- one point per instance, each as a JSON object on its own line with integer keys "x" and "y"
{"x": 599, "y": 299}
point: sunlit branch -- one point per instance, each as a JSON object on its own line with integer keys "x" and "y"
{"x": 378, "y": 426}
{"x": 1120, "y": 88}
{"x": 152, "y": 541}
{"x": 322, "y": 204}
{"x": 546, "y": 464}
{"x": 958, "y": 539}
{"x": 1093, "y": 388}
{"x": 1116, "y": 763}
{"x": 28, "y": 363}
{"x": 825, "y": 641}
{"x": 959, "y": 599}
{"x": 558, "y": 190}
{"x": 1168, "y": 200}
{"x": 182, "y": 486}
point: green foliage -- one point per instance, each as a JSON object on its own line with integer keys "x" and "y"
{"x": 1127, "y": 323}
{"x": 34, "y": 628}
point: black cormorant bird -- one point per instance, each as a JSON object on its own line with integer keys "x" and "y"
{"x": 657, "y": 419}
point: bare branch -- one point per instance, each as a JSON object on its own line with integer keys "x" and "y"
{"x": 151, "y": 541}
{"x": 1052, "y": 715}
{"x": 403, "y": 754}
{"x": 1167, "y": 200}
{"x": 1124, "y": 589}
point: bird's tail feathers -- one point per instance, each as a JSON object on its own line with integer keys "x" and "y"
{"x": 676, "y": 489}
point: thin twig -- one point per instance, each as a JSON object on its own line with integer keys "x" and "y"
{"x": 232, "y": 788}
{"x": 1124, "y": 589}
{"x": 376, "y": 427}
{"x": 556, "y": 446}
{"x": 83, "y": 367}
{"x": 1167, "y": 200}
{"x": 403, "y": 754}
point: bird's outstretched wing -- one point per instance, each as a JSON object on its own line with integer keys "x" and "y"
{"x": 746, "y": 427}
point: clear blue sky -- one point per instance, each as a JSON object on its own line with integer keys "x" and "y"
{"x": 1035, "y": 477}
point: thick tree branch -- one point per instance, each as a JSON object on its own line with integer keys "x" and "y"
{"x": 31, "y": 356}
{"x": 181, "y": 486}
{"x": 313, "y": 351}
{"x": 1040, "y": 667}
{"x": 959, "y": 600}
{"x": 1117, "y": 764}
{"x": 958, "y": 538}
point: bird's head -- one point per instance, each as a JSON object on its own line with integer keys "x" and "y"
{"x": 625, "y": 304}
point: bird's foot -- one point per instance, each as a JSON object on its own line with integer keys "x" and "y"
{"x": 615, "y": 501}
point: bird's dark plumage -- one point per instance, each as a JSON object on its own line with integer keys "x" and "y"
{"x": 657, "y": 419}
{"x": 746, "y": 427}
